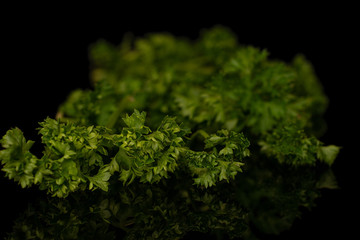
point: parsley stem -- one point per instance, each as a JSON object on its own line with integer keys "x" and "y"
{"x": 115, "y": 116}
{"x": 200, "y": 132}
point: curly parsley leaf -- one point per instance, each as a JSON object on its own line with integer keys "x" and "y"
{"x": 223, "y": 162}
{"x": 290, "y": 144}
{"x": 19, "y": 163}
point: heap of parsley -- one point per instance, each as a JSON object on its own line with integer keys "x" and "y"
{"x": 176, "y": 137}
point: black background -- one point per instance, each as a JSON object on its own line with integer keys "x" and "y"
{"x": 44, "y": 57}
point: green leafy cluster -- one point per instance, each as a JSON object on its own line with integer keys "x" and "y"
{"x": 199, "y": 82}
{"x": 149, "y": 155}
{"x": 79, "y": 157}
{"x": 289, "y": 144}
{"x": 18, "y": 162}
{"x": 203, "y": 106}
{"x": 210, "y": 85}
{"x": 222, "y": 164}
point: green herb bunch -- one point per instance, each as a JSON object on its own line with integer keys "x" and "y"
{"x": 194, "y": 118}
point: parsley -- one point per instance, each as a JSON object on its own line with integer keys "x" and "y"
{"x": 222, "y": 127}
{"x": 78, "y": 157}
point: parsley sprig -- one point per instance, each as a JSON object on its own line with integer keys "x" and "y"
{"x": 78, "y": 157}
